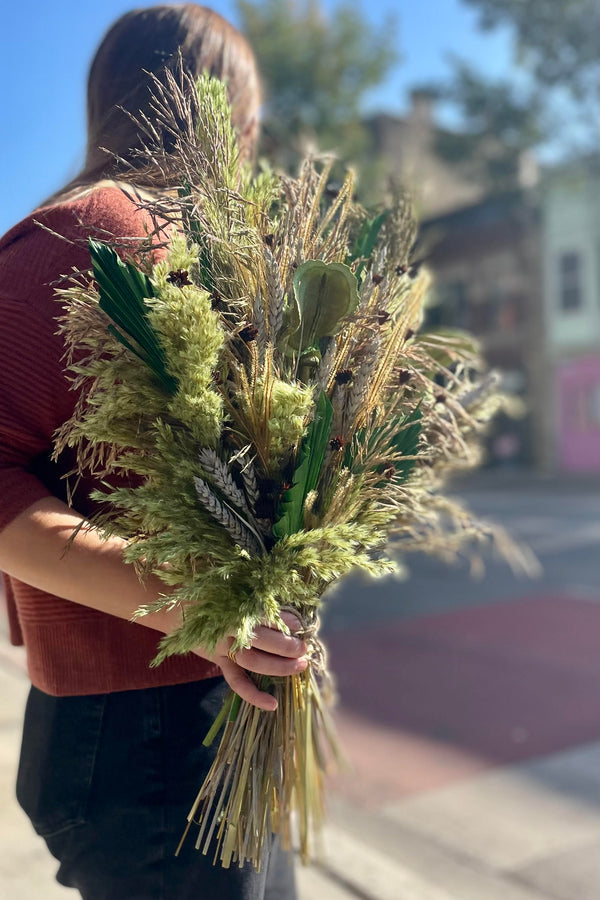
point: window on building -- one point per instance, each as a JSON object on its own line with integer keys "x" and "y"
{"x": 570, "y": 286}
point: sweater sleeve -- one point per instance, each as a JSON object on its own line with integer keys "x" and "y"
{"x": 35, "y": 395}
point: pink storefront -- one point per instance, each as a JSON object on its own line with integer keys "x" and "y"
{"x": 578, "y": 420}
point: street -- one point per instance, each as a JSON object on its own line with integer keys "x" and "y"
{"x": 469, "y": 707}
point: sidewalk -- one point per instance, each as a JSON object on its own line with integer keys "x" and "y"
{"x": 520, "y": 832}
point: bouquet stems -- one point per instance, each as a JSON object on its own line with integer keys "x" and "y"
{"x": 269, "y": 773}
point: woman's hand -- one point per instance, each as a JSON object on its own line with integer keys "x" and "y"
{"x": 93, "y": 573}
{"x": 272, "y": 653}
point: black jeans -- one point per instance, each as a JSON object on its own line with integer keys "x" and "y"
{"x": 108, "y": 781}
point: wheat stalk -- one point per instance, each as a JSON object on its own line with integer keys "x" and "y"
{"x": 221, "y": 477}
{"x": 274, "y": 295}
{"x": 258, "y": 320}
{"x": 248, "y": 473}
{"x": 240, "y": 530}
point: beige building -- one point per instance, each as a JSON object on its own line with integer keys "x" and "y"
{"x": 407, "y": 148}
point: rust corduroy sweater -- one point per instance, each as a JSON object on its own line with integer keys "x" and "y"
{"x": 71, "y": 649}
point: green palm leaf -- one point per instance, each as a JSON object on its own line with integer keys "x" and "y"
{"x": 365, "y": 242}
{"x": 123, "y": 289}
{"x": 406, "y": 442}
{"x": 402, "y": 435}
{"x": 308, "y": 469}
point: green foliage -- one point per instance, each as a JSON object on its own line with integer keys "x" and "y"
{"x": 499, "y": 124}
{"x": 405, "y": 443}
{"x": 123, "y": 288}
{"x": 291, "y": 405}
{"x": 558, "y": 42}
{"x": 203, "y": 260}
{"x": 365, "y": 242}
{"x": 306, "y": 475}
{"x": 556, "y": 50}
{"x": 232, "y": 593}
{"x": 192, "y": 338}
{"x": 317, "y": 66}
{"x": 209, "y": 457}
{"x": 216, "y": 140}
{"x": 399, "y": 436}
{"x": 324, "y": 293}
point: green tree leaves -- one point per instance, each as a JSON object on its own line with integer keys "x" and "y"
{"x": 316, "y": 67}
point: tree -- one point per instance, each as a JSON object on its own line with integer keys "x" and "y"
{"x": 557, "y": 41}
{"x": 557, "y": 54}
{"x": 316, "y": 69}
{"x": 499, "y": 127}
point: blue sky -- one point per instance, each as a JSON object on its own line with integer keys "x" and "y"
{"x": 48, "y": 44}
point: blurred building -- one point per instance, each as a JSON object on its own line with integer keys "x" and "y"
{"x": 486, "y": 259}
{"x": 521, "y": 271}
{"x": 406, "y": 147}
{"x": 571, "y": 281}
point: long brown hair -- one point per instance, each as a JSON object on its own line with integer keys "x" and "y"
{"x": 143, "y": 44}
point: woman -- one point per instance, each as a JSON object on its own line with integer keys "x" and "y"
{"x": 111, "y": 757}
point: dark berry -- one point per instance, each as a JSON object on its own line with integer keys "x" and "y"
{"x": 248, "y": 333}
{"x": 344, "y": 376}
{"x": 179, "y": 277}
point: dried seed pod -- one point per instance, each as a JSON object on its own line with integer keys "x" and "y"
{"x": 248, "y": 333}
{"x": 344, "y": 376}
{"x": 179, "y": 277}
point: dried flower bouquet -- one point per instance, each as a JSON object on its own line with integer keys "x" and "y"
{"x": 267, "y": 383}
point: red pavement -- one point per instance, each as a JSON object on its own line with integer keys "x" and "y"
{"x": 434, "y": 699}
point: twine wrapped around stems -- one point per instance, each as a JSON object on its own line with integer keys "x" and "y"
{"x": 316, "y": 652}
